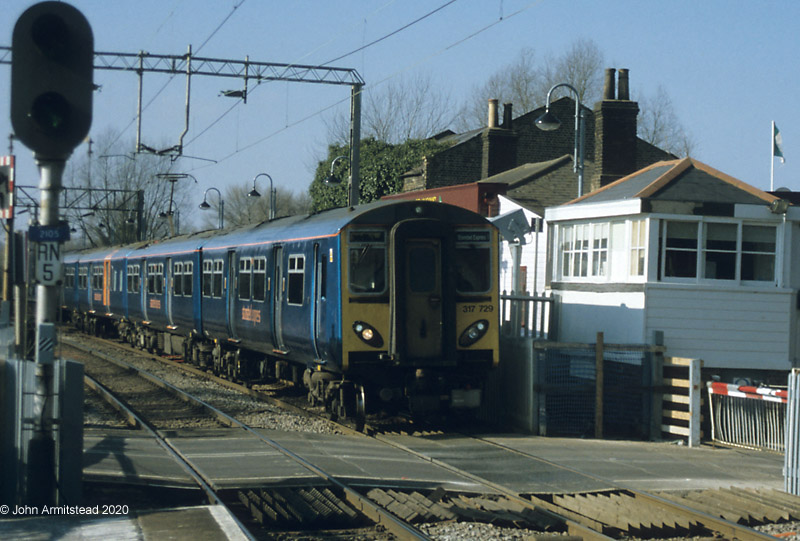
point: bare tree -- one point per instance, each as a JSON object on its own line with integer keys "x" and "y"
{"x": 240, "y": 209}
{"x": 107, "y": 212}
{"x": 525, "y": 82}
{"x": 659, "y": 125}
{"x": 398, "y": 110}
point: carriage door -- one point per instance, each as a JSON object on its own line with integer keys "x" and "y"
{"x": 278, "y": 294}
{"x": 107, "y": 284}
{"x": 423, "y": 297}
{"x": 231, "y": 293}
{"x": 317, "y": 306}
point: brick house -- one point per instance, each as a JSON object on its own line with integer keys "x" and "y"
{"x": 535, "y": 167}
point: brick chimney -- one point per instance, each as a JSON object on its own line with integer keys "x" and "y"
{"x": 499, "y": 142}
{"x": 614, "y": 132}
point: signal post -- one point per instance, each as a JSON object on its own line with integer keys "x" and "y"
{"x": 51, "y": 112}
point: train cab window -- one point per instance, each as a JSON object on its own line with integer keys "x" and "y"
{"x": 473, "y": 261}
{"x": 422, "y": 269}
{"x": 367, "y": 261}
{"x": 245, "y": 277}
{"x": 260, "y": 279}
{"x": 133, "y": 278}
{"x": 296, "y": 278}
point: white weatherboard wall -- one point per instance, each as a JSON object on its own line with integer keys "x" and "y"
{"x": 731, "y": 328}
{"x": 618, "y": 315}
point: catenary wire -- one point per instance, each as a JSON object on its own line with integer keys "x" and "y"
{"x": 374, "y": 42}
{"x": 395, "y": 74}
{"x": 172, "y": 77}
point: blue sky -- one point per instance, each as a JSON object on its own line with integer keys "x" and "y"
{"x": 729, "y": 67}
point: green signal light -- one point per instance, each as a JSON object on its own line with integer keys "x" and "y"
{"x": 51, "y": 113}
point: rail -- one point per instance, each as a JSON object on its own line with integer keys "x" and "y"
{"x": 134, "y": 419}
{"x": 363, "y": 504}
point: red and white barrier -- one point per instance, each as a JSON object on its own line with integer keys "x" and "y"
{"x": 748, "y": 391}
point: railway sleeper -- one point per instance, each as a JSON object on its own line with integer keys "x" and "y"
{"x": 790, "y": 505}
{"x": 755, "y": 512}
{"x": 441, "y": 506}
{"x": 299, "y": 507}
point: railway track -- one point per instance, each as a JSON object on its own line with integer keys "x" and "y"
{"x": 615, "y": 513}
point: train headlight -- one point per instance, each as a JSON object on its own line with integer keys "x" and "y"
{"x": 473, "y": 333}
{"x": 368, "y": 334}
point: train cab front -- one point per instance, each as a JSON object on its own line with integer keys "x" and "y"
{"x": 422, "y": 302}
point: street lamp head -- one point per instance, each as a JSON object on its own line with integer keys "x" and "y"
{"x": 548, "y": 121}
{"x": 330, "y": 179}
{"x": 253, "y": 193}
{"x": 204, "y": 205}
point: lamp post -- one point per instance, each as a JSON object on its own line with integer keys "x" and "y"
{"x": 549, "y": 122}
{"x": 332, "y": 179}
{"x": 254, "y": 193}
{"x": 220, "y": 207}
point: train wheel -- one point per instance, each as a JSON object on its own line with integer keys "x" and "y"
{"x": 361, "y": 408}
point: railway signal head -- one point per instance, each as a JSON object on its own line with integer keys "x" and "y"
{"x": 51, "y": 79}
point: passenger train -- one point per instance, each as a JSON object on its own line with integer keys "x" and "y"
{"x": 391, "y": 305}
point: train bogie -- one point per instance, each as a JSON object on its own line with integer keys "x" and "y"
{"x": 392, "y": 304}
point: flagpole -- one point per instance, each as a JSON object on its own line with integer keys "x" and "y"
{"x": 772, "y": 157}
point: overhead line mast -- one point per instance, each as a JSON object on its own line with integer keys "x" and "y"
{"x": 248, "y": 70}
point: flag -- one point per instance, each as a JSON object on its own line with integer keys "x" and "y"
{"x": 777, "y": 143}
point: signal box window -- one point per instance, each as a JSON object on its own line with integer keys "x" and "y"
{"x": 296, "y": 278}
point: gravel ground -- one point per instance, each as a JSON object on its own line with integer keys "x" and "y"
{"x": 249, "y": 410}
{"x": 259, "y": 414}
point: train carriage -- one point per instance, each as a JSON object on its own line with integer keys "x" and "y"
{"x": 391, "y": 304}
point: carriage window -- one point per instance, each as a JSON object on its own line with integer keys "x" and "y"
{"x": 245, "y": 277}
{"x": 155, "y": 278}
{"x": 473, "y": 261}
{"x": 208, "y": 277}
{"x": 69, "y": 277}
{"x": 83, "y": 277}
{"x": 97, "y": 278}
{"x": 133, "y": 278}
{"x": 188, "y": 267}
{"x": 260, "y": 279}
{"x": 217, "y": 289}
{"x": 367, "y": 261}
{"x": 296, "y": 278}
{"x": 177, "y": 279}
